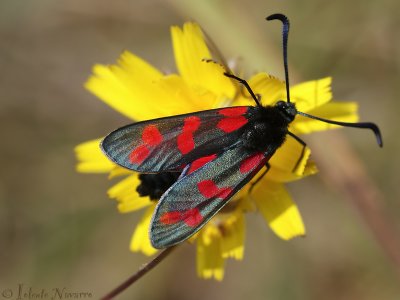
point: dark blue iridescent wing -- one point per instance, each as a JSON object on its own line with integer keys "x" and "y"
{"x": 207, "y": 185}
{"x": 169, "y": 144}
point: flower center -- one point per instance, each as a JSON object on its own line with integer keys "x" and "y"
{"x": 155, "y": 185}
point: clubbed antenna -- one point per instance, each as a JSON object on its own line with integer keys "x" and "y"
{"x": 366, "y": 125}
{"x": 285, "y": 34}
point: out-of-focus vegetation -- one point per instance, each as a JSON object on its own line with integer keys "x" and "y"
{"x": 59, "y": 229}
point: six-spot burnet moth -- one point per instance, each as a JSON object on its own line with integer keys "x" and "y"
{"x": 216, "y": 151}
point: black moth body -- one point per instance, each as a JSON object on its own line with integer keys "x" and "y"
{"x": 268, "y": 126}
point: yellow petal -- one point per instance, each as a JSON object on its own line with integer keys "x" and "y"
{"x": 210, "y": 263}
{"x": 310, "y": 169}
{"x": 118, "y": 171}
{"x": 338, "y": 111}
{"x": 268, "y": 87}
{"x": 278, "y": 209}
{"x": 180, "y": 98}
{"x": 130, "y": 87}
{"x": 127, "y": 196}
{"x": 190, "y": 51}
{"x": 91, "y": 159}
{"x": 289, "y": 161}
{"x": 232, "y": 240}
{"x": 140, "y": 241}
{"x": 311, "y": 94}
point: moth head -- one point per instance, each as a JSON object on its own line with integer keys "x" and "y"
{"x": 287, "y": 109}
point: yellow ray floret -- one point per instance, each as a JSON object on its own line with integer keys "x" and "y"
{"x": 278, "y": 209}
{"x": 91, "y": 159}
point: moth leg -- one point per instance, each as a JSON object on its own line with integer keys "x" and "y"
{"x": 246, "y": 85}
{"x": 303, "y": 150}
{"x": 268, "y": 166}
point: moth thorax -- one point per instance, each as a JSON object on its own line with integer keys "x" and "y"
{"x": 155, "y": 185}
{"x": 264, "y": 135}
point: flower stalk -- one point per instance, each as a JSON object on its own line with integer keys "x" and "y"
{"x": 139, "y": 274}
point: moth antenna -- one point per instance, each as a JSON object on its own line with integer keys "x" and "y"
{"x": 285, "y": 34}
{"x": 255, "y": 97}
{"x": 366, "y": 125}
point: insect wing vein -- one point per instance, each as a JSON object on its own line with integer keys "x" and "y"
{"x": 196, "y": 197}
{"x": 169, "y": 144}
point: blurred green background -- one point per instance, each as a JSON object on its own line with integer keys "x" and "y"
{"x": 59, "y": 229}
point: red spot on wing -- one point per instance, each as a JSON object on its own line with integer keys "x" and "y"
{"x": 151, "y": 135}
{"x": 139, "y": 154}
{"x": 185, "y": 140}
{"x": 251, "y": 162}
{"x": 230, "y": 124}
{"x": 170, "y": 218}
{"x": 209, "y": 190}
{"x": 233, "y": 111}
{"x": 191, "y": 124}
{"x": 191, "y": 217}
{"x": 198, "y": 163}
{"x": 224, "y": 192}
{"x": 234, "y": 118}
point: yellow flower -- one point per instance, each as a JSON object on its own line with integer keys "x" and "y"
{"x": 139, "y": 91}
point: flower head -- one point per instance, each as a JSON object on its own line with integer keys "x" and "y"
{"x": 140, "y": 92}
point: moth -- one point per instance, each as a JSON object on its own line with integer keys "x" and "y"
{"x": 217, "y": 151}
